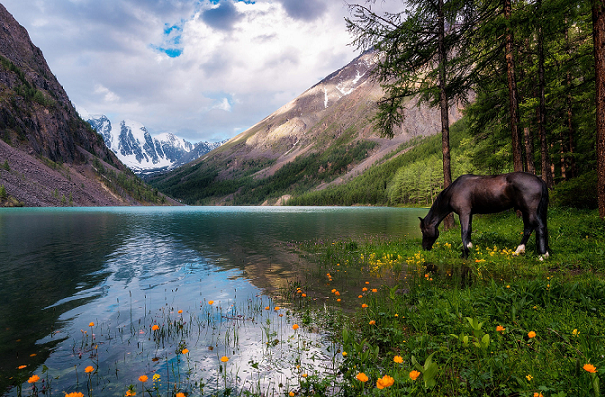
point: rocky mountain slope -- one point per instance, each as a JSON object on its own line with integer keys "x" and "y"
{"x": 145, "y": 154}
{"x": 48, "y": 155}
{"x": 323, "y": 137}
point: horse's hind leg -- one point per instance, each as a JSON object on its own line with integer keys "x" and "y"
{"x": 542, "y": 238}
{"x": 529, "y": 224}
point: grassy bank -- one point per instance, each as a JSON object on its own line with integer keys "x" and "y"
{"x": 431, "y": 323}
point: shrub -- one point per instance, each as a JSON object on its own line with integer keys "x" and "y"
{"x": 579, "y": 192}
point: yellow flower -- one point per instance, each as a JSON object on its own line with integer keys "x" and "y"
{"x": 156, "y": 377}
{"x": 575, "y": 332}
{"x": 185, "y": 351}
{"x": 33, "y": 379}
{"x": 414, "y": 375}
{"x": 398, "y": 359}
{"x": 89, "y": 369}
{"x": 344, "y": 354}
{"x": 385, "y": 381}
{"x": 500, "y": 328}
{"x": 531, "y": 334}
{"x": 529, "y": 377}
{"x": 224, "y": 359}
{"x": 362, "y": 377}
{"x": 590, "y": 368}
{"x": 210, "y": 302}
{"x": 74, "y": 394}
{"x": 295, "y": 327}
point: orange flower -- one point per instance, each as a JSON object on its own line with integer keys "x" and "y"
{"x": 374, "y": 290}
{"x": 360, "y": 296}
{"x": 364, "y": 305}
{"x": 531, "y": 334}
{"x": 89, "y": 369}
{"x": 91, "y": 324}
{"x": 362, "y": 377}
{"x": 180, "y": 394}
{"x": 185, "y": 351}
{"x": 500, "y": 328}
{"x": 130, "y": 393}
{"x": 338, "y": 300}
{"x": 398, "y": 359}
{"x": 364, "y": 289}
{"x": 224, "y": 359}
{"x": 304, "y": 375}
{"x": 385, "y": 381}
{"x": 291, "y": 394}
{"x": 210, "y": 302}
{"x": 74, "y": 394}
{"x": 155, "y": 327}
{"x": 22, "y": 366}
{"x": 414, "y": 375}
{"x": 33, "y": 379}
{"x": 367, "y": 282}
{"x": 143, "y": 378}
{"x": 304, "y": 295}
{"x": 277, "y": 308}
{"x": 536, "y": 394}
{"x": 372, "y": 322}
{"x": 180, "y": 311}
{"x": 337, "y": 293}
{"x": 267, "y": 308}
{"x": 590, "y": 368}
{"x": 295, "y": 327}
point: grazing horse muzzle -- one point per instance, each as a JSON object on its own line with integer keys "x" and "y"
{"x": 429, "y": 235}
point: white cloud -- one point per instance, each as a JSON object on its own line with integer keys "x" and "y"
{"x": 199, "y": 69}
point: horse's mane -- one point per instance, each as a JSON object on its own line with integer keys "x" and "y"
{"x": 440, "y": 205}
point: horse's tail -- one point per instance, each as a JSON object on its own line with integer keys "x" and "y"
{"x": 543, "y": 212}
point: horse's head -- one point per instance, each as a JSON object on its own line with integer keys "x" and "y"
{"x": 429, "y": 234}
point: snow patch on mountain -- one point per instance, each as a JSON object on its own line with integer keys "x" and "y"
{"x": 141, "y": 152}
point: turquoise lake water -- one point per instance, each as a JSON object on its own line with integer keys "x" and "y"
{"x": 124, "y": 269}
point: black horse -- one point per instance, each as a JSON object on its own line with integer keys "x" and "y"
{"x": 485, "y": 194}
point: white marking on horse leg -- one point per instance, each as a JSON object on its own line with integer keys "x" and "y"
{"x": 469, "y": 245}
{"x": 520, "y": 250}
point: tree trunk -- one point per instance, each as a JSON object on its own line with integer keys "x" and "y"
{"x": 443, "y": 104}
{"x": 529, "y": 150}
{"x": 598, "y": 32}
{"x": 544, "y": 152}
{"x": 569, "y": 158}
{"x": 512, "y": 92}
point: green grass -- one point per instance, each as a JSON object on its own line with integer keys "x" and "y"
{"x": 440, "y": 313}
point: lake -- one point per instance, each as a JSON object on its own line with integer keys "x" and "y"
{"x": 84, "y": 287}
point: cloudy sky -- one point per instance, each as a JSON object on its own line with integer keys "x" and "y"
{"x": 202, "y": 69}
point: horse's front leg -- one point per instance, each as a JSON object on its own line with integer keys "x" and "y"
{"x": 466, "y": 226}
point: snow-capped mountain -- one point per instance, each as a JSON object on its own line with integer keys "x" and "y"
{"x": 143, "y": 153}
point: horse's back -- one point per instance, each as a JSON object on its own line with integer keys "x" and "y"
{"x": 494, "y": 193}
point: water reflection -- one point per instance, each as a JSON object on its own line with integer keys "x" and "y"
{"x": 63, "y": 268}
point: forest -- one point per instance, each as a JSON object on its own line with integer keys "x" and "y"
{"x": 529, "y": 74}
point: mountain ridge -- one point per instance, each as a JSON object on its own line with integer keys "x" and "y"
{"x": 143, "y": 153}
{"x": 49, "y": 155}
{"x": 322, "y": 137}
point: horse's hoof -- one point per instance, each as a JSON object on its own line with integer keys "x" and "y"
{"x": 520, "y": 250}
